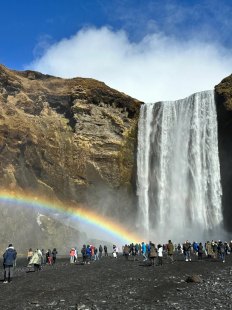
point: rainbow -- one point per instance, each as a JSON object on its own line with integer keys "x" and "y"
{"x": 82, "y": 214}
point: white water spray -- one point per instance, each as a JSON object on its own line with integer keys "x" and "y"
{"x": 178, "y": 182}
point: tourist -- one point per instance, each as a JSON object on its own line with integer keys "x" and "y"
{"x": 136, "y": 249}
{"x": 8, "y": 262}
{"x": 83, "y": 252}
{"x": 29, "y": 255}
{"x": 221, "y": 251}
{"x": 133, "y": 251}
{"x": 187, "y": 251}
{"x": 105, "y": 250}
{"x": 96, "y": 254}
{"x": 152, "y": 254}
{"x": 126, "y": 251}
{"x": 76, "y": 255}
{"x": 54, "y": 253}
{"x": 36, "y": 260}
{"x": 200, "y": 251}
{"x": 72, "y": 254}
{"x": 160, "y": 255}
{"x": 215, "y": 249}
{"x": 195, "y": 248}
{"x": 144, "y": 251}
{"x": 100, "y": 250}
{"x": 88, "y": 254}
{"x": 115, "y": 251}
{"x": 48, "y": 257}
{"x": 209, "y": 249}
{"x": 179, "y": 248}
{"x": 170, "y": 249}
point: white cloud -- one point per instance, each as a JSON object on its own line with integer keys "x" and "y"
{"x": 156, "y": 68}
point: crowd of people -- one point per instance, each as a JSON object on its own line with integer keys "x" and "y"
{"x": 147, "y": 251}
{"x": 92, "y": 253}
{"x": 213, "y": 249}
{"x": 39, "y": 257}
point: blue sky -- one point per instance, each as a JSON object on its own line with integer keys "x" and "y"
{"x": 150, "y": 49}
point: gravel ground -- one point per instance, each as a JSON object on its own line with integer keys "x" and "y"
{"x": 119, "y": 284}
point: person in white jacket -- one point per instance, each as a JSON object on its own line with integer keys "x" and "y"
{"x": 160, "y": 255}
{"x": 36, "y": 260}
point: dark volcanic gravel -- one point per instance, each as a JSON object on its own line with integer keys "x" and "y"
{"x": 118, "y": 284}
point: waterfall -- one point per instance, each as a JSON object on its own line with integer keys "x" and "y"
{"x": 178, "y": 179}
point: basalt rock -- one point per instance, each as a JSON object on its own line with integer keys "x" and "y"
{"x": 73, "y": 140}
{"x": 194, "y": 279}
{"x": 223, "y": 95}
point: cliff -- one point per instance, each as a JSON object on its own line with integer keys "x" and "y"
{"x": 223, "y": 95}
{"x": 68, "y": 140}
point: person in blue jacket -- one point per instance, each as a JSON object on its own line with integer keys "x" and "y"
{"x": 88, "y": 254}
{"x": 9, "y": 258}
{"x": 144, "y": 251}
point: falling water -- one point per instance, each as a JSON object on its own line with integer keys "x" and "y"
{"x": 178, "y": 182}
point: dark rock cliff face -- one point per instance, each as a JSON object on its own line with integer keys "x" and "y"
{"x": 68, "y": 139}
{"x": 223, "y": 92}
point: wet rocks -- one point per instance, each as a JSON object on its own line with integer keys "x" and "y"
{"x": 194, "y": 279}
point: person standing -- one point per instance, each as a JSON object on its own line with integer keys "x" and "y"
{"x": 187, "y": 251}
{"x": 126, "y": 251}
{"x": 29, "y": 255}
{"x": 115, "y": 254}
{"x": 83, "y": 252}
{"x": 100, "y": 250}
{"x": 200, "y": 251}
{"x": 72, "y": 255}
{"x": 144, "y": 250}
{"x": 160, "y": 255}
{"x": 96, "y": 254}
{"x": 152, "y": 254}
{"x": 48, "y": 257}
{"x": 221, "y": 251}
{"x": 8, "y": 262}
{"x": 105, "y": 250}
{"x": 76, "y": 255}
{"x": 36, "y": 260}
{"x": 170, "y": 249}
{"x": 54, "y": 253}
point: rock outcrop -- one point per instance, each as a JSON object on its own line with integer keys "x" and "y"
{"x": 68, "y": 139}
{"x": 27, "y": 228}
{"x": 223, "y": 92}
